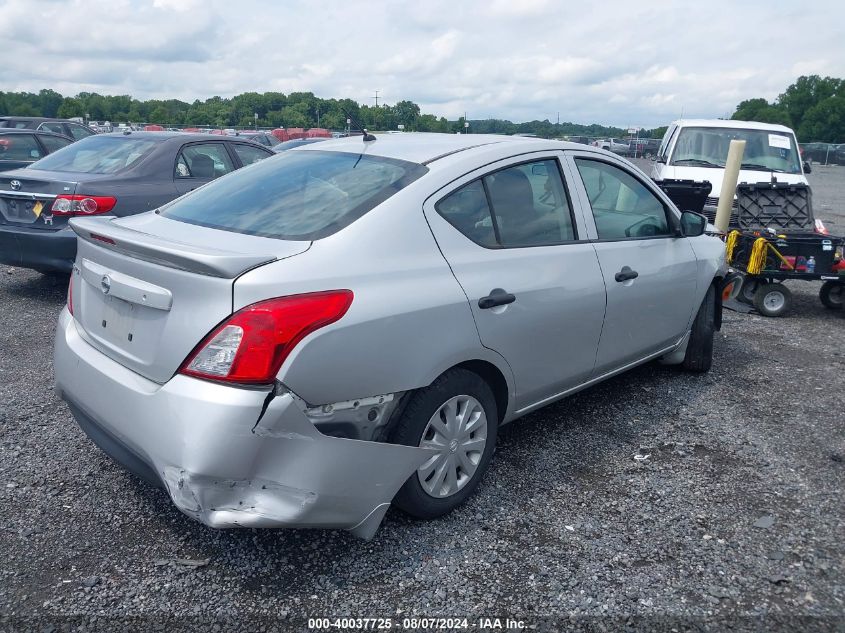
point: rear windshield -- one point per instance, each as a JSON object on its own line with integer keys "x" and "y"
{"x": 300, "y": 195}
{"x": 97, "y": 155}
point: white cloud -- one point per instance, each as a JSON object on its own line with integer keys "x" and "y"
{"x": 615, "y": 62}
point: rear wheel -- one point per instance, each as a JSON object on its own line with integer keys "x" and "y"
{"x": 699, "y": 355}
{"x": 832, "y": 294}
{"x": 456, "y": 419}
{"x": 772, "y": 300}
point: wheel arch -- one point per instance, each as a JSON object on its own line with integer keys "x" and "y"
{"x": 493, "y": 376}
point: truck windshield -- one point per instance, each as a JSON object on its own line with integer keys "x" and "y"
{"x": 764, "y": 149}
{"x": 296, "y": 195}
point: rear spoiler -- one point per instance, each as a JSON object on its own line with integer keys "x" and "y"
{"x": 104, "y": 233}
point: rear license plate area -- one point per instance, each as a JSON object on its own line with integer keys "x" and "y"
{"x": 116, "y": 321}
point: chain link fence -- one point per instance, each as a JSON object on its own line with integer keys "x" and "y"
{"x": 823, "y": 153}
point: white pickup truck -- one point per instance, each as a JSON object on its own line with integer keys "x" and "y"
{"x": 615, "y": 145}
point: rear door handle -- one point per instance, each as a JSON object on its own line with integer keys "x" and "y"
{"x": 626, "y": 273}
{"x": 497, "y": 297}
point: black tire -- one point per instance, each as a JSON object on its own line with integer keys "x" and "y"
{"x": 832, "y": 294}
{"x": 409, "y": 429}
{"x": 772, "y": 300}
{"x": 699, "y": 356}
{"x": 747, "y": 290}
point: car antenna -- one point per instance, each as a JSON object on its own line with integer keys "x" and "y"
{"x": 367, "y": 135}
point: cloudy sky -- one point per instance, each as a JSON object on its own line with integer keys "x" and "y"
{"x": 620, "y": 62}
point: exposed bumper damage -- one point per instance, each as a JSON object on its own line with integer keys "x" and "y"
{"x": 232, "y": 457}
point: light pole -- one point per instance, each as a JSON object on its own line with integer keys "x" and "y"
{"x": 256, "y": 120}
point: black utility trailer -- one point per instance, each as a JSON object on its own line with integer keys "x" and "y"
{"x": 777, "y": 240}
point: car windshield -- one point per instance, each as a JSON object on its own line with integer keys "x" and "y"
{"x": 97, "y": 155}
{"x": 302, "y": 195}
{"x": 764, "y": 149}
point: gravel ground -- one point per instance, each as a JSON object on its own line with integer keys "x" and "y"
{"x": 733, "y": 520}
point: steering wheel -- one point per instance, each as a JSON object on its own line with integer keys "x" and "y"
{"x": 643, "y": 228}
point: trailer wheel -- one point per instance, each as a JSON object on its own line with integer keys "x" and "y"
{"x": 772, "y": 300}
{"x": 832, "y": 294}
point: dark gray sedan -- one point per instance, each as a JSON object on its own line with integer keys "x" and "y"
{"x": 115, "y": 174}
{"x": 21, "y": 148}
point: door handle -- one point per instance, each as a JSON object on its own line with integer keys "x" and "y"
{"x": 497, "y": 297}
{"x": 626, "y": 273}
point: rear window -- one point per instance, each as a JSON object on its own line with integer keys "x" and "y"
{"x": 97, "y": 155}
{"x": 303, "y": 195}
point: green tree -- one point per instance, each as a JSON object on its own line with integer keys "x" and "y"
{"x": 761, "y": 110}
{"x": 825, "y": 121}
{"x": 70, "y": 108}
{"x": 807, "y": 92}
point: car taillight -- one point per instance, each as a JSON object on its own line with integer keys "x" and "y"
{"x": 250, "y": 346}
{"x": 70, "y": 295}
{"x": 82, "y": 205}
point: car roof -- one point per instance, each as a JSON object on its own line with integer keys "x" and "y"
{"x": 732, "y": 124}
{"x": 424, "y": 147}
{"x": 12, "y": 117}
{"x": 18, "y": 130}
{"x": 166, "y": 135}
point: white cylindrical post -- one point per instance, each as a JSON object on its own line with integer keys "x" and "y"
{"x": 726, "y": 197}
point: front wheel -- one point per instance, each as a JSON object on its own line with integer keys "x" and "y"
{"x": 832, "y": 294}
{"x": 456, "y": 419}
{"x": 772, "y": 300}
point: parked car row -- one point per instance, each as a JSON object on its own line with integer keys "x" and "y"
{"x": 115, "y": 174}
{"x": 64, "y": 127}
{"x": 21, "y": 147}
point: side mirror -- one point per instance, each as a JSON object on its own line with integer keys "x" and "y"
{"x": 539, "y": 170}
{"x": 692, "y": 224}
{"x": 807, "y": 168}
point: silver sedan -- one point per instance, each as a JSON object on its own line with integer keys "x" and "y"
{"x": 346, "y": 325}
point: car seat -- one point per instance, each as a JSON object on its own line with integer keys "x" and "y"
{"x": 202, "y": 166}
{"x": 513, "y": 204}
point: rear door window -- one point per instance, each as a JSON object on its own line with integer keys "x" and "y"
{"x": 303, "y": 195}
{"x": 79, "y": 131}
{"x": 203, "y": 160}
{"x": 52, "y": 143}
{"x": 248, "y": 154}
{"x": 52, "y": 126}
{"x": 523, "y": 205}
{"x": 19, "y": 147}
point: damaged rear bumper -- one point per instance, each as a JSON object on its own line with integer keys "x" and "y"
{"x": 220, "y": 459}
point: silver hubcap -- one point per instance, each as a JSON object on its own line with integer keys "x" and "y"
{"x": 458, "y": 432}
{"x": 773, "y": 301}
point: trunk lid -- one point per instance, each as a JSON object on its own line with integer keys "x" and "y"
{"x": 147, "y": 289}
{"x": 27, "y": 195}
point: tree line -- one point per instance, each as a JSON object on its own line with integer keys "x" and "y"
{"x": 274, "y": 109}
{"x": 812, "y": 106}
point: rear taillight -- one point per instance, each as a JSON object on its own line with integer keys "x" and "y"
{"x": 251, "y": 345}
{"x": 70, "y": 295}
{"x": 82, "y": 205}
